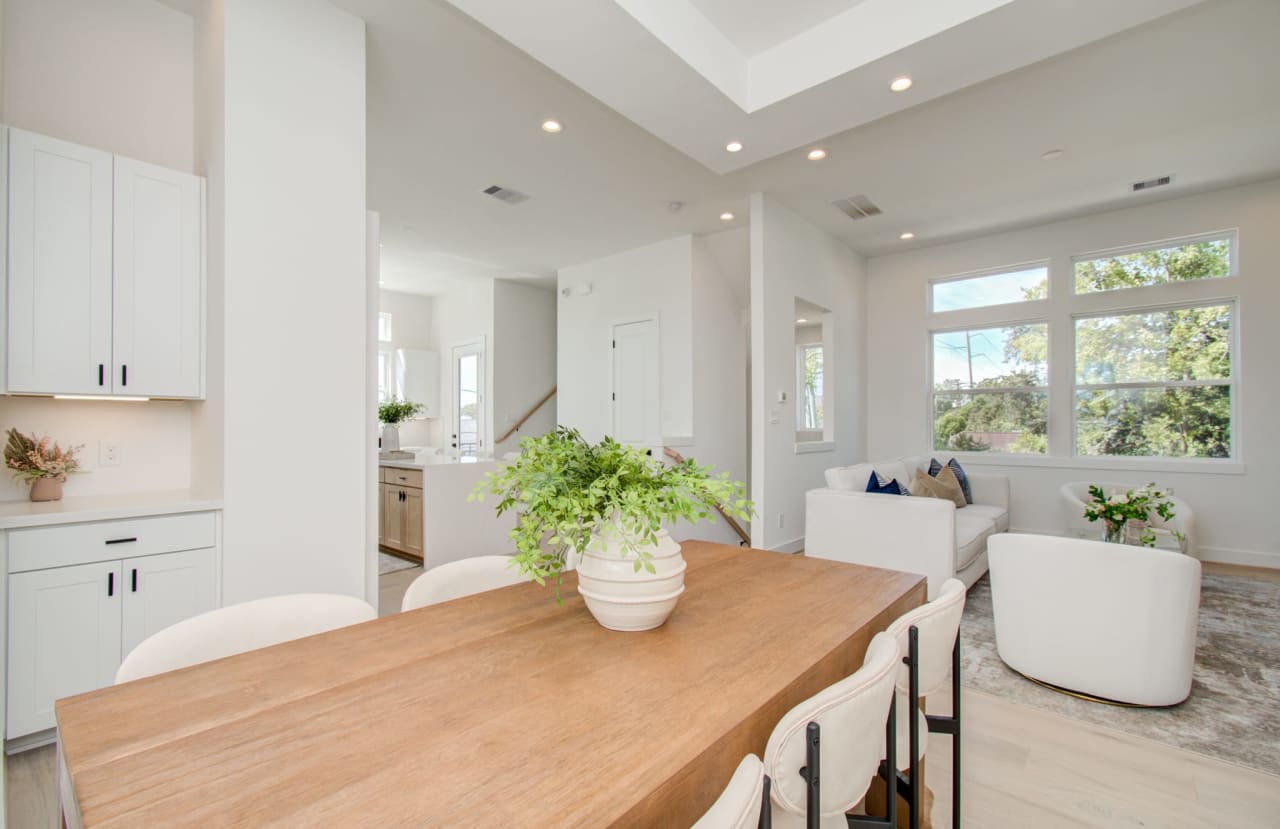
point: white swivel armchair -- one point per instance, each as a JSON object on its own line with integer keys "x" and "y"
{"x": 1075, "y": 496}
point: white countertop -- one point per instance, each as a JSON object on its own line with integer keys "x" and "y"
{"x": 14, "y": 514}
{"x": 423, "y": 460}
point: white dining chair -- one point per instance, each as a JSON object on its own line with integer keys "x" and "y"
{"x": 824, "y": 753}
{"x": 928, "y": 637}
{"x": 740, "y": 805}
{"x": 460, "y": 578}
{"x": 239, "y": 628}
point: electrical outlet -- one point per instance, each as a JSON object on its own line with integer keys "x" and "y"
{"x": 779, "y": 520}
{"x": 108, "y": 453}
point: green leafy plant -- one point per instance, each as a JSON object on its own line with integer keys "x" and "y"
{"x": 564, "y": 489}
{"x": 30, "y": 458}
{"x": 396, "y": 410}
{"x": 1135, "y": 505}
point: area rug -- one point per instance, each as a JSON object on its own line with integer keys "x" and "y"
{"x": 1234, "y": 709}
{"x": 392, "y": 564}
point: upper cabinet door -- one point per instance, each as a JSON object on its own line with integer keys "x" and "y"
{"x": 159, "y": 321}
{"x": 59, "y": 303}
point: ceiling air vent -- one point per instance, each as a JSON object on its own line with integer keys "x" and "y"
{"x": 506, "y": 194}
{"x": 857, "y": 207}
{"x": 1139, "y": 186}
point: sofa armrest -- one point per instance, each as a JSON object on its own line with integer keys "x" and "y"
{"x": 990, "y": 490}
{"x": 915, "y": 535}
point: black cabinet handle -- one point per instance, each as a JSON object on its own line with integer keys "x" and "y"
{"x": 122, "y": 540}
{"x": 134, "y": 586}
{"x": 101, "y": 377}
{"x": 111, "y": 584}
{"x": 124, "y": 375}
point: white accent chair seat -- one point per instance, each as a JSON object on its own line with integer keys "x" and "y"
{"x": 928, "y": 536}
{"x": 240, "y": 628}
{"x": 741, "y": 802}
{"x": 1075, "y": 497}
{"x": 1108, "y": 620}
{"x": 460, "y": 578}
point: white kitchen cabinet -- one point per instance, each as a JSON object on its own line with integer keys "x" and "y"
{"x": 157, "y": 321}
{"x": 105, "y": 273}
{"x": 68, "y": 621}
{"x": 418, "y": 379}
{"x": 59, "y": 269}
{"x": 164, "y": 589}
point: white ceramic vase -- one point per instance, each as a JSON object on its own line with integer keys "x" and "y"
{"x": 390, "y": 437}
{"x": 621, "y": 598}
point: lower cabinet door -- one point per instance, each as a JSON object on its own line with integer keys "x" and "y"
{"x": 412, "y": 521}
{"x": 164, "y": 589}
{"x": 64, "y": 639}
{"x": 393, "y": 509}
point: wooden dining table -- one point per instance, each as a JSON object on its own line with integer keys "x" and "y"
{"x": 503, "y": 708}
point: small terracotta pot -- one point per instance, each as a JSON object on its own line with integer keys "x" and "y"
{"x": 47, "y": 489}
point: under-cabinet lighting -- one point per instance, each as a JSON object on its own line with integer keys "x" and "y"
{"x": 101, "y": 397}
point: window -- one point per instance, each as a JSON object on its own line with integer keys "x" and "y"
{"x": 1205, "y": 257}
{"x": 384, "y": 326}
{"x": 990, "y": 389}
{"x": 1155, "y": 383}
{"x": 386, "y": 375}
{"x": 809, "y": 393}
{"x": 1023, "y": 284}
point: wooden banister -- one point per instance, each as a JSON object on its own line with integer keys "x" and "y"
{"x": 728, "y": 519}
{"x": 527, "y": 415}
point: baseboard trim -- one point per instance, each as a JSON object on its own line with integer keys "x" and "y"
{"x": 795, "y": 545}
{"x": 40, "y": 738}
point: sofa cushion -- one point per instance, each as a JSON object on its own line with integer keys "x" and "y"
{"x": 946, "y": 489}
{"x": 852, "y": 478}
{"x": 996, "y": 515}
{"x": 972, "y": 532}
{"x": 880, "y": 485}
{"x": 935, "y": 468}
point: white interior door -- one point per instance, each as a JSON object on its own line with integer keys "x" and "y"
{"x": 468, "y": 436}
{"x": 637, "y": 418}
{"x": 59, "y": 315}
{"x": 158, "y": 322}
{"x": 162, "y": 590}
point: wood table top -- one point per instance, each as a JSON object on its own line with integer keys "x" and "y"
{"x": 501, "y": 708}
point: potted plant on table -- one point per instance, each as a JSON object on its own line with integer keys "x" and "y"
{"x": 1127, "y": 517}
{"x": 391, "y": 414}
{"x": 43, "y": 464}
{"x": 606, "y": 504}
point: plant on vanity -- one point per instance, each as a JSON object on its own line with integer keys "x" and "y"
{"x": 1131, "y": 512}
{"x": 607, "y": 503}
{"x": 43, "y": 464}
{"x": 392, "y": 413}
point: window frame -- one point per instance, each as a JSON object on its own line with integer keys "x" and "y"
{"x": 1047, "y": 389}
{"x": 995, "y": 271}
{"x": 1232, "y": 382}
{"x": 386, "y": 315}
{"x": 1232, "y": 237}
{"x": 821, "y": 410}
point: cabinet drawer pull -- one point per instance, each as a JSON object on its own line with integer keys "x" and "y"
{"x": 122, "y": 540}
{"x": 101, "y": 377}
{"x": 111, "y": 584}
{"x": 134, "y": 587}
{"x": 124, "y": 375}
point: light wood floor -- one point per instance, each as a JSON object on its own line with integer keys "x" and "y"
{"x": 1023, "y": 769}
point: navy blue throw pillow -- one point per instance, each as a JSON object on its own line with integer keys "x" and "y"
{"x": 877, "y": 484}
{"x": 935, "y": 468}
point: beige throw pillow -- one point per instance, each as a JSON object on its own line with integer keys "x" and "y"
{"x": 946, "y": 486}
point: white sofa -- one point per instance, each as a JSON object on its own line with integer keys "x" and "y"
{"x": 1109, "y": 620}
{"x": 929, "y": 536}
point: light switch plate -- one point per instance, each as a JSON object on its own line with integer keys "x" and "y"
{"x": 108, "y": 453}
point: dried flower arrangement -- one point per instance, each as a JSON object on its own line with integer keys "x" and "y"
{"x": 31, "y": 459}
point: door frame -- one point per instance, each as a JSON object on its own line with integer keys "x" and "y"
{"x": 479, "y": 344}
{"x": 656, "y": 318}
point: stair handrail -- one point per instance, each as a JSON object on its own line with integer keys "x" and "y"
{"x": 728, "y": 519}
{"x": 527, "y": 415}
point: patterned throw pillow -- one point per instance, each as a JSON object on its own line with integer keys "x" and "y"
{"x": 879, "y": 485}
{"x": 935, "y": 468}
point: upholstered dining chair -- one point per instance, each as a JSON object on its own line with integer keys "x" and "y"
{"x": 742, "y": 804}
{"x": 460, "y": 578}
{"x": 239, "y": 628}
{"x": 929, "y": 639}
{"x": 824, "y": 753}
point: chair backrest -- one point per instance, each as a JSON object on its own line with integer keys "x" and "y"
{"x": 852, "y": 714}
{"x": 738, "y": 806}
{"x": 938, "y": 625}
{"x": 460, "y": 578}
{"x": 240, "y": 628}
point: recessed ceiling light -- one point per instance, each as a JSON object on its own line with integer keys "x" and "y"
{"x": 801, "y": 321}
{"x": 907, "y": 235}
{"x": 734, "y": 146}
{"x": 1052, "y": 154}
{"x": 551, "y": 126}
{"x": 817, "y": 154}
{"x": 726, "y": 216}
{"x": 900, "y": 84}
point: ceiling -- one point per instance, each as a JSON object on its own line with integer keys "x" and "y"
{"x": 453, "y": 108}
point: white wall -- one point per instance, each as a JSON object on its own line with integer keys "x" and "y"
{"x": 464, "y": 313}
{"x": 116, "y": 75}
{"x": 524, "y": 359}
{"x": 1232, "y": 510}
{"x": 791, "y": 258}
{"x": 651, "y": 280}
{"x": 411, "y": 321}
{"x": 288, "y": 150}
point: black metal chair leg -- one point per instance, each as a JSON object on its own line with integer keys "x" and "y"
{"x": 812, "y": 776}
{"x": 955, "y": 734}
{"x": 913, "y": 727}
{"x": 766, "y": 808}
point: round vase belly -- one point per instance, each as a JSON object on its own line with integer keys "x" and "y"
{"x": 621, "y": 598}
{"x": 46, "y": 489}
